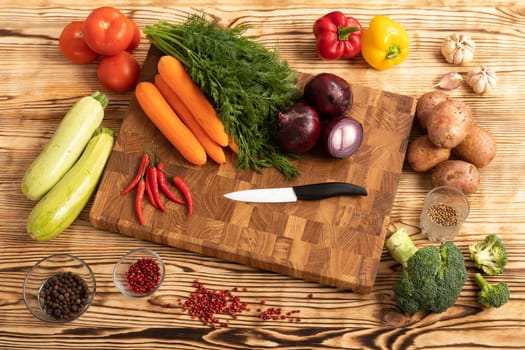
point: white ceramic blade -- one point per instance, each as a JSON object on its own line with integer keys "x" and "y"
{"x": 265, "y": 195}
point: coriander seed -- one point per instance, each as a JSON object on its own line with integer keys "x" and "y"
{"x": 443, "y": 214}
{"x": 445, "y": 208}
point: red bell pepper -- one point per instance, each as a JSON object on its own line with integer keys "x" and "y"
{"x": 338, "y": 36}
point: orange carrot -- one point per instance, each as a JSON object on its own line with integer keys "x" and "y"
{"x": 233, "y": 146}
{"x": 169, "y": 123}
{"x": 173, "y": 72}
{"x": 212, "y": 148}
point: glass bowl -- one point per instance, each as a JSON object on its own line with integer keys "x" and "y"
{"x": 139, "y": 273}
{"x": 73, "y": 283}
{"x": 445, "y": 209}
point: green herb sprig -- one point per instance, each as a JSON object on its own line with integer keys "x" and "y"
{"x": 247, "y": 83}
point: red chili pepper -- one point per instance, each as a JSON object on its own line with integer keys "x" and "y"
{"x": 154, "y": 184}
{"x": 163, "y": 185}
{"x": 338, "y": 36}
{"x": 139, "y": 198}
{"x": 183, "y": 187}
{"x": 149, "y": 191}
{"x": 135, "y": 181}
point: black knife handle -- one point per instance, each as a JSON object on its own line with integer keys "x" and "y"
{"x": 327, "y": 190}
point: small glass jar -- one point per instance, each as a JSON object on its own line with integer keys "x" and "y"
{"x": 60, "y": 270}
{"x": 134, "y": 257}
{"x": 445, "y": 208}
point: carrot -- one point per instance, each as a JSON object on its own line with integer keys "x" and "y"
{"x": 212, "y": 148}
{"x": 233, "y": 145}
{"x": 173, "y": 72}
{"x": 169, "y": 123}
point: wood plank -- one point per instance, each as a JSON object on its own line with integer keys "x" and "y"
{"x": 38, "y": 86}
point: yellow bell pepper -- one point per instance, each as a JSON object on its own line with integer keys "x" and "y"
{"x": 385, "y": 43}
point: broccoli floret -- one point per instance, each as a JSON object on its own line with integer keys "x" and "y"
{"x": 432, "y": 276}
{"x": 489, "y": 255}
{"x": 492, "y": 295}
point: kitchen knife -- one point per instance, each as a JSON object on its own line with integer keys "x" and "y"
{"x": 292, "y": 194}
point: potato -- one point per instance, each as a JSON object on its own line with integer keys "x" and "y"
{"x": 456, "y": 173}
{"x": 423, "y": 155}
{"x": 425, "y": 105}
{"x": 478, "y": 148}
{"x": 449, "y": 123}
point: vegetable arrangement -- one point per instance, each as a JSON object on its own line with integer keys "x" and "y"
{"x": 106, "y": 32}
{"x": 433, "y": 276}
{"x": 245, "y": 82}
{"x": 183, "y": 114}
{"x": 66, "y": 173}
{"x": 65, "y": 200}
{"x": 168, "y": 122}
{"x": 229, "y": 91}
{"x": 213, "y": 149}
{"x": 151, "y": 179}
{"x": 450, "y": 131}
{"x": 383, "y": 45}
{"x": 458, "y": 49}
{"x": 226, "y": 75}
{"x": 490, "y": 256}
{"x": 320, "y": 118}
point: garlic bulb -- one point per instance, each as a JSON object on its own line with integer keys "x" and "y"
{"x": 458, "y": 49}
{"x": 481, "y": 79}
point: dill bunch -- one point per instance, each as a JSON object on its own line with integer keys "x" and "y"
{"x": 247, "y": 84}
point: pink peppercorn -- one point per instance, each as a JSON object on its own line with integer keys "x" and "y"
{"x": 205, "y": 304}
{"x": 143, "y": 275}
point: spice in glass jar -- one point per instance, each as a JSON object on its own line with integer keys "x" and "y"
{"x": 144, "y": 275}
{"x": 444, "y": 211}
{"x": 64, "y": 295}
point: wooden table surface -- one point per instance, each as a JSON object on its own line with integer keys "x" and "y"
{"x": 39, "y": 86}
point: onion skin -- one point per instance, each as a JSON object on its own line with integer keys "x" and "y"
{"x": 298, "y": 128}
{"x": 329, "y": 94}
{"x": 342, "y": 136}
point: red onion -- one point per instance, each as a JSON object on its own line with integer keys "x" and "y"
{"x": 298, "y": 128}
{"x": 342, "y": 136}
{"x": 329, "y": 94}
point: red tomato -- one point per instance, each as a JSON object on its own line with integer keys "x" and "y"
{"x": 118, "y": 73}
{"x": 107, "y": 31}
{"x": 72, "y": 45}
{"x": 135, "y": 41}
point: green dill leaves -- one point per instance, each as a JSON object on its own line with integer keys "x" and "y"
{"x": 247, "y": 84}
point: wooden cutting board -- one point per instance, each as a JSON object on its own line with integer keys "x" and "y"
{"x": 336, "y": 241}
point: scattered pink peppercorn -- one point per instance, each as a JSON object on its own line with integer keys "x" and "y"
{"x": 205, "y": 304}
{"x": 276, "y": 313}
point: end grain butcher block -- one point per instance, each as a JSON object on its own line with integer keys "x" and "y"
{"x": 336, "y": 241}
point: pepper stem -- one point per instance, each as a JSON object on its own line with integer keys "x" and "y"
{"x": 343, "y": 33}
{"x": 392, "y": 52}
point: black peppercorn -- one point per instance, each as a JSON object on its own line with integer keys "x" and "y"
{"x": 63, "y": 295}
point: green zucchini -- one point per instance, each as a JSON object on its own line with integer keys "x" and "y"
{"x": 63, "y": 203}
{"x": 66, "y": 145}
